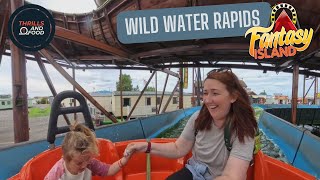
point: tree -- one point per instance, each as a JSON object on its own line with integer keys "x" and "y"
{"x": 126, "y": 83}
{"x": 150, "y": 88}
{"x": 136, "y": 88}
{"x": 44, "y": 100}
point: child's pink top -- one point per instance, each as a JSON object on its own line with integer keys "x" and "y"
{"x": 94, "y": 168}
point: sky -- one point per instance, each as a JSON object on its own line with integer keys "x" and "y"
{"x": 97, "y": 80}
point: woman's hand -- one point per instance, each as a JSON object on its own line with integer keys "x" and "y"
{"x": 135, "y": 147}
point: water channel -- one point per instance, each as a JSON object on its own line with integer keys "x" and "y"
{"x": 267, "y": 146}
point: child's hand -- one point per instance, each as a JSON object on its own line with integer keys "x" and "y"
{"x": 124, "y": 160}
{"x": 134, "y": 147}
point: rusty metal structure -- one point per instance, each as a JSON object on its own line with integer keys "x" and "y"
{"x": 89, "y": 41}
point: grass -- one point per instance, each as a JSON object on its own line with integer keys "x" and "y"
{"x": 39, "y": 112}
{"x": 258, "y": 111}
{"x": 108, "y": 121}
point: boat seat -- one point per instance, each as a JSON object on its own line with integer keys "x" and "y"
{"x": 161, "y": 167}
{"x": 39, "y": 166}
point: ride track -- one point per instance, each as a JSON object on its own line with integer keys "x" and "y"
{"x": 89, "y": 41}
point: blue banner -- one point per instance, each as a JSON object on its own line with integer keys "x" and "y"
{"x": 200, "y": 22}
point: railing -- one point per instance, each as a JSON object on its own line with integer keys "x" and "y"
{"x": 299, "y": 145}
{"x": 305, "y": 116}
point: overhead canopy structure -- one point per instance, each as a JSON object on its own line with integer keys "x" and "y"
{"x": 89, "y": 41}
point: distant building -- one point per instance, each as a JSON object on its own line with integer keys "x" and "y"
{"x": 110, "y": 101}
{"x": 307, "y": 100}
{"x": 261, "y": 98}
{"x": 147, "y": 104}
{"x": 104, "y": 98}
{"x": 281, "y": 99}
{"x": 6, "y": 102}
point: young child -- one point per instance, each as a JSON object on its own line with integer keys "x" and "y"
{"x": 79, "y": 148}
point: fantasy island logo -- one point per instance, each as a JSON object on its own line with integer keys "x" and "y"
{"x": 284, "y": 40}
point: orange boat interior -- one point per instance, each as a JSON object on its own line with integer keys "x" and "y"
{"x": 264, "y": 168}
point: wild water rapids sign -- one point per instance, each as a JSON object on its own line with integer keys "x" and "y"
{"x": 199, "y": 22}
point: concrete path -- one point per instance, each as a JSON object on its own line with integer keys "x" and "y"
{"x": 38, "y": 127}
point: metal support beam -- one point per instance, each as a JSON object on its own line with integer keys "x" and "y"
{"x": 74, "y": 89}
{"x": 81, "y": 39}
{"x": 49, "y": 82}
{"x": 121, "y": 98}
{"x": 45, "y": 54}
{"x": 4, "y": 30}
{"x": 156, "y": 79}
{"x": 166, "y": 105}
{"x": 240, "y": 66}
{"x": 181, "y": 89}
{"x": 294, "y": 103}
{"x": 164, "y": 89}
{"x": 19, "y": 88}
{"x": 284, "y": 65}
{"x": 135, "y": 104}
{"x": 315, "y": 90}
{"x": 193, "y": 83}
{"x": 304, "y": 88}
{"x": 198, "y": 88}
{"x": 59, "y": 51}
{"x": 304, "y": 95}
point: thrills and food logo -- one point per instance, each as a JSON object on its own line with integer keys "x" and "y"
{"x": 282, "y": 38}
{"x": 31, "y": 27}
{"x": 34, "y": 28}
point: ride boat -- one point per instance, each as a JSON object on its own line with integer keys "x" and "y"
{"x": 264, "y": 167}
{"x": 141, "y": 165}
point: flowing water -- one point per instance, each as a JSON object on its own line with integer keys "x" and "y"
{"x": 267, "y": 146}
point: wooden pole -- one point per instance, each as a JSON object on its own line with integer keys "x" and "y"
{"x": 294, "y": 103}
{"x": 4, "y": 29}
{"x": 19, "y": 88}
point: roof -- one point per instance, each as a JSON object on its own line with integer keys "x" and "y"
{"x": 101, "y": 93}
{"x": 263, "y": 93}
{"x": 89, "y": 41}
{"x": 146, "y": 93}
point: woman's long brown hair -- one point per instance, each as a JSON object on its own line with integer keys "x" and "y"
{"x": 241, "y": 114}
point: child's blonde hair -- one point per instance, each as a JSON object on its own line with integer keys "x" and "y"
{"x": 81, "y": 140}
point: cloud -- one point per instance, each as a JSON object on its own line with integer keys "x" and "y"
{"x": 94, "y": 80}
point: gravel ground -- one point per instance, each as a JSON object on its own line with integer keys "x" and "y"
{"x": 38, "y": 126}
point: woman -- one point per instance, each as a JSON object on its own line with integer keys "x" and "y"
{"x": 225, "y": 103}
